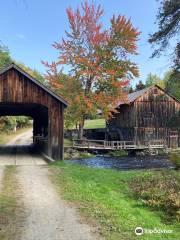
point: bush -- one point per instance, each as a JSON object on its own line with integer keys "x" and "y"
{"x": 71, "y": 153}
{"x": 118, "y": 153}
{"x": 9, "y": 123}
{"x": 175, "y": 159}
{"x": 160, "y": 191}
{"x": 162, "y": 152}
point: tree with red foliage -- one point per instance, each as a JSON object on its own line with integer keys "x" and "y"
{"x": 99, "y": 61}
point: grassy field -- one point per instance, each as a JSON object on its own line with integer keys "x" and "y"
{"x": 105, "y": 195}
{"x": 93, "y": 124}
{"x": 5, "y": 137}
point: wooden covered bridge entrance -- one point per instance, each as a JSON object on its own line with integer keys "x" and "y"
{"x": 21, "y": 94}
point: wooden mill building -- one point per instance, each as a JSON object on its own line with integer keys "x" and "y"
{"x": 150, "y": 114}
{"x": 21, "y": 94}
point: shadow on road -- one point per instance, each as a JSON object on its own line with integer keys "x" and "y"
{"x": 20, "y": 155}
{"x": 17, "y": 149}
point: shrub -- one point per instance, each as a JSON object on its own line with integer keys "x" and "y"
{"x": 75, "y": 154}
{"x": 118, "y": 153}
{"x": 175, "y": 159}
{"x": 162, "y": 152}
{"x": 9, "y": 123}
{"x": 160, "y": 191}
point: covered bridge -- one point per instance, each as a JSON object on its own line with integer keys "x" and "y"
{"x": 21, "y": 94}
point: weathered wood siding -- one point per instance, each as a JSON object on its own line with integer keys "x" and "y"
{"x": 120, "y": 118}
{"x": 154, "y": 112}
{"x": 17, "y": 88}
{"x": 119, "y": 127}
{"x": 149, "y": 117}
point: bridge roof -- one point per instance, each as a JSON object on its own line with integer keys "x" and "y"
{"x": 50, "y": 92}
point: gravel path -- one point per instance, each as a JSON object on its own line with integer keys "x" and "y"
{"x": 48, "y": 217}
{"x": 19, "y": 151}
{"x": 22, "y": 139}
{"x": 22, "y": 155}
{"x": 43, "y": 215}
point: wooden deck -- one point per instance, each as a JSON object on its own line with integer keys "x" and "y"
{"x": 116, "y": 145}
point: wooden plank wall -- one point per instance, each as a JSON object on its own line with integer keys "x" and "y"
{"x": 149, "y": 116}
{"x": 126, "y": 112}
{"x": 153, "y": 113}
{"x": 17, "y": 88}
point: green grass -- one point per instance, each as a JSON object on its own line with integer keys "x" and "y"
{"x": 8, "y": 205}
{"x": 94, "y": 124}
{"x": 67, "y": 142}
{"x": 104, "y": 195}
{"x": 117, "y": 153}
{"x": 7, "y": 202}
{"x": 175, "y": 159}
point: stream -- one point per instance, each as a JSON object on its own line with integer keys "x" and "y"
{"x": 125, "y": 163}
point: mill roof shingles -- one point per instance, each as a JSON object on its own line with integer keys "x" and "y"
{"x": 133, "y": 96}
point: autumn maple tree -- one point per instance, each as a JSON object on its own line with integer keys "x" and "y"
{"x": 99, "y": 62}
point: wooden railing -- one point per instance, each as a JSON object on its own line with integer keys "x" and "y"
{"x": 159, "y": 143}
{"x": 41, "y": 143}
{"x": 115, "y": 145}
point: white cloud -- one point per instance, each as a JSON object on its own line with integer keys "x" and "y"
{"x": 20, "y": 36}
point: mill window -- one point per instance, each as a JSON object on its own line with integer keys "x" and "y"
{"x": 155, "y": 91}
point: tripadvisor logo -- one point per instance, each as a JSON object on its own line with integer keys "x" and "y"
{"x": 139, "y": 231}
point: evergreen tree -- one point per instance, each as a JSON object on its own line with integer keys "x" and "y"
{"x": 168, "y": 19}
{"x": 140, "y": 85}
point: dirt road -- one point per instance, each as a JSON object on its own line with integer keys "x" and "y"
{"x": 45, "y": 215}
{"x": 22, "y": 139}
{"x": 48, "y": 217}
{"x": 18, "y": 151}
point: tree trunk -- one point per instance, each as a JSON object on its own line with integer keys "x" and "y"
{"x": 81, "y": 128}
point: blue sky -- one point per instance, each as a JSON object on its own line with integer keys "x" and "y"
{"x": 29, "y": 27}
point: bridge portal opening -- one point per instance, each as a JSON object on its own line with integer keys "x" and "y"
{"x": 37, "y": 115}
{"x": 21, "y": 94}
{"x": 16, "y": 130}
